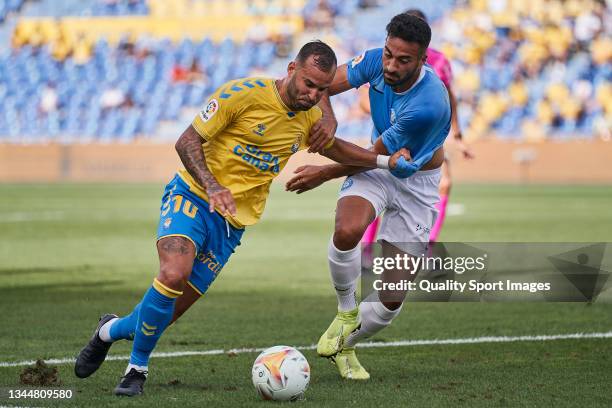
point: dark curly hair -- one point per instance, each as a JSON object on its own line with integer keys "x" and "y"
{"x": 324, "y": 56}
{"x": 416, "y": 12}
{"x": 410, "y": 28}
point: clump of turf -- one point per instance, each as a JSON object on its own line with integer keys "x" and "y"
{"x": 40, "y": 374}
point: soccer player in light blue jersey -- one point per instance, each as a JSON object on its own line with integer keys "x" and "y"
{"x": 410, "y": 109}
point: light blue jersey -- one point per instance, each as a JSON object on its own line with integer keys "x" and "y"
{"x": 417, "y": 119}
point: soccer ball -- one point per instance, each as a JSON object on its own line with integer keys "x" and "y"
{"x": 281, "y": 373}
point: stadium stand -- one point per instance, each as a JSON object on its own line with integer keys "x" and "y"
{"x": 115, "y": 92}
{"x": 115, "y": 70}
{"x": 9, "y": 6}
{"x": 523, "y": 69}
{"x": 119, "y": 8}
{"x": 529, "y": 63}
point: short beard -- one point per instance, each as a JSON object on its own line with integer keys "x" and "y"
{"x": 402, "y": 81}
{"x": 292, "y": 94}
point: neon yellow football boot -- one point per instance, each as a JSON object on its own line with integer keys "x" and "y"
{"x": 332, "y": 340}
{"x": 349, "y": 367}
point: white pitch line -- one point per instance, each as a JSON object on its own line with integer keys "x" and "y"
{"x": 32, "y": 216}
{"x": 402, "y": 343}
{"x": 454, "y": 209}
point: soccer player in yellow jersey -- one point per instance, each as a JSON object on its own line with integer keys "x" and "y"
{"x": 235, "y": 146}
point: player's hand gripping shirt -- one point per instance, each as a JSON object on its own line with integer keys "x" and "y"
{"x": 249, "y": 135}
{"x": 417, "y": 119}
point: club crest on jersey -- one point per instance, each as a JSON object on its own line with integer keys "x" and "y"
{"x": 259, "y": 130}
{"x": 357, "y": 60}
{"x": 347, "y": 184}
{"x": 296, "y": 146}
{"x": 392, "y": 116}
{"x": 210, "y": 110}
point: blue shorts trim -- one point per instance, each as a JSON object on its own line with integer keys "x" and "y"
{"x": 183, "y": 213}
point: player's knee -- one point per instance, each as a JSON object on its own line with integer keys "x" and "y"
{"x": 347, "y": 236}
{"x": 173, "y": 276}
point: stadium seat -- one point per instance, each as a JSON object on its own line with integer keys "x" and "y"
{"x": 513, "y": 63}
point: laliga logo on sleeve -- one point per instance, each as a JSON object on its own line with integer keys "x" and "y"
{"x": 210, "y": 110}
{"x": 357, "y": 60}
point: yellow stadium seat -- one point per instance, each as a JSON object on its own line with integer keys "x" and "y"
{"x": 601, "y": 50}
{"x": 519, "y": 95}
{"x": 607, "y": 107}
{"x": 492, "y": 106}
{"x": 557, "y": 92}
{"x": 555, "y": 13}
{"x": 21, "y": 33}
{"x": 82, "y": 51}
{"x": 545, "y": 112}
{"x": 468, "y": 81}
{"x": 603, "y": 94}
{"x": 60, "y": 50}
{"x": 573, "y": 8}
{"x": 114, "y": 28}
{"x": 532, "y": 131}
{"x": 479, "y": 5}
{"x": 449, "y": 50}
{"x": 520, "y": 7}
{"x": 569, "y": 109}
{"x": 478, "y": 127}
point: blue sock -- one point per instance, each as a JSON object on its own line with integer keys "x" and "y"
{"x": 155, "y": 314}
{"x": 124, "y": 328}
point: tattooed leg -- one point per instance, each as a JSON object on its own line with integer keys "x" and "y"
{"x": 176, "y": 255}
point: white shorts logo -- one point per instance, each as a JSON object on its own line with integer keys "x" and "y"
{"x": 210, "y": 110}
{"x": 347, "y": 184}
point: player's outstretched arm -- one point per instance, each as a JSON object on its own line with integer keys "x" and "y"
{"x": 309, "y": 177}
{"x": 189, "y": 149}
{"x": 344, "y": 152}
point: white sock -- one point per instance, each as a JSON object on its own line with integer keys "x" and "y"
{"x": 104, "y": 332}
{"x": 374, "y": 317}
{"x": 345, "y": 268}
{"x": 142, "y": 369}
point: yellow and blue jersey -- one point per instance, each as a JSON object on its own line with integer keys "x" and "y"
{"x": 249, "y": 134}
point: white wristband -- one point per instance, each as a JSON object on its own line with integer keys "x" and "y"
{"x": 382, "y": 161}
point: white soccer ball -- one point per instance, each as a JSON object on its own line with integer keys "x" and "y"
{"x": 281, "y": 373}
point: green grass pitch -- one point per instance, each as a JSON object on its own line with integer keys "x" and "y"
{"x": 69, "y": 253}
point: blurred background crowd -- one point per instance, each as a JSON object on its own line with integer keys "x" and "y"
{"x": 126, "y": 70}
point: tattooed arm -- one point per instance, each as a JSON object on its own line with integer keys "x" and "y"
{"x": 189, "y": 149}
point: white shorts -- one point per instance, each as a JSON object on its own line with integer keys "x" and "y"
{"x": 408, "y": 204}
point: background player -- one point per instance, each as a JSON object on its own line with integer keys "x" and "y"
{"x": 234, "y": 148}
{"x": 410, "y": 109}
{"x": 442, "y": 68}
